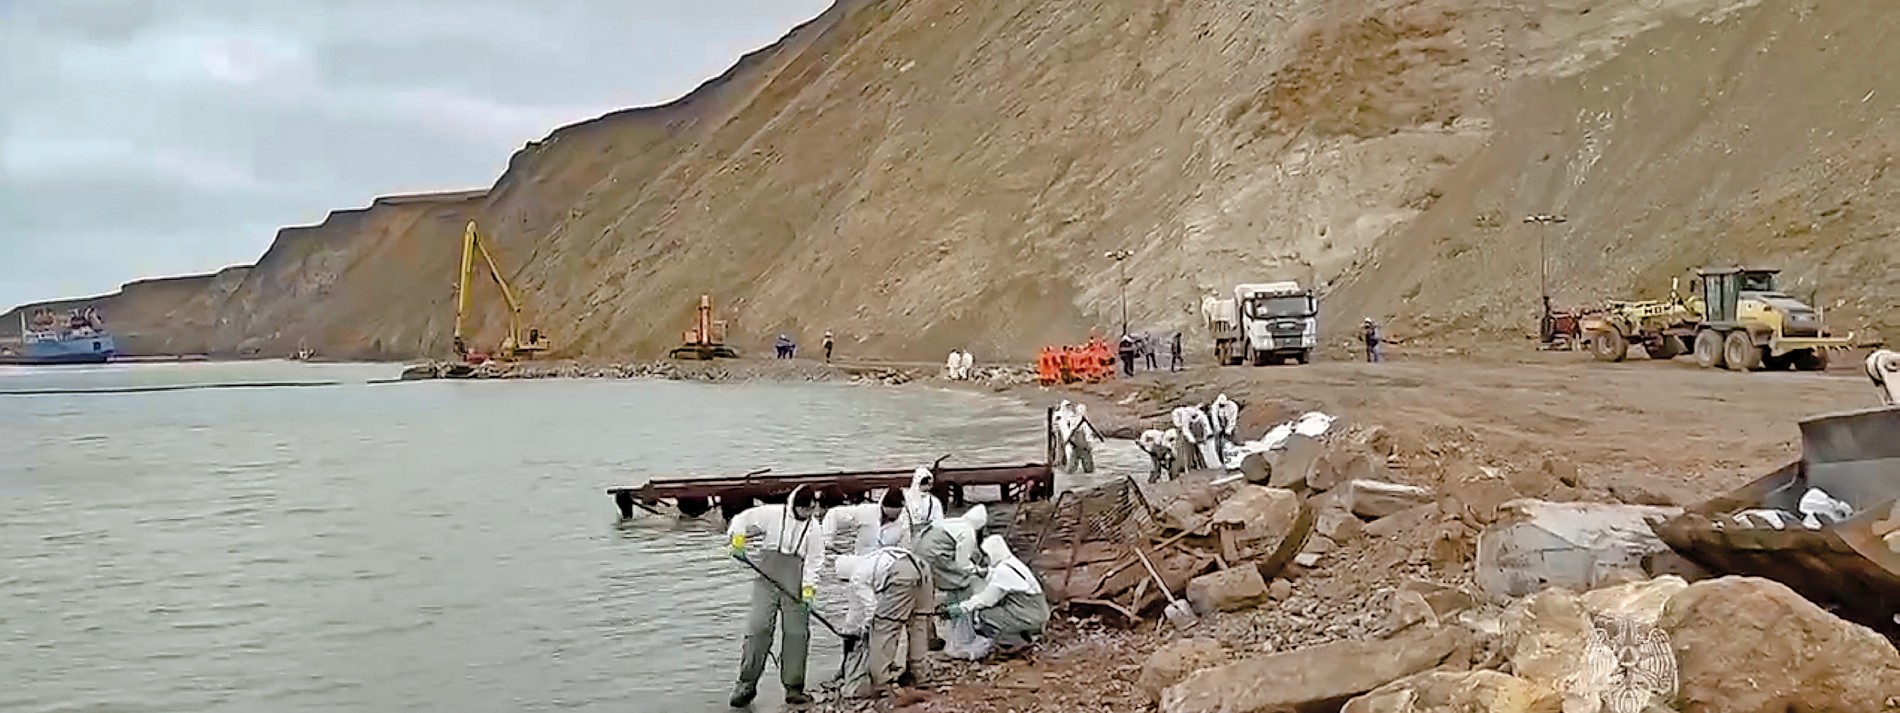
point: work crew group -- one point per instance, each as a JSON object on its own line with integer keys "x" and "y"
{"x": 908, "y": 565}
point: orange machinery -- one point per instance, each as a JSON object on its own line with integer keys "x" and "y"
{"x": 707, "y": 339}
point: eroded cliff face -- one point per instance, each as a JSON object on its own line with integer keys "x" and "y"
{"x": 920, "y": 175}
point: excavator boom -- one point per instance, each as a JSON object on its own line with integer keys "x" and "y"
{"x": 511, "y": 345}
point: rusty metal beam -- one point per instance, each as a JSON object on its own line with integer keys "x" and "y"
{"x": 1038, "y": 478}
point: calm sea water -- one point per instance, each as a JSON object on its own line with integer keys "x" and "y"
{"x": 406, "y": 547}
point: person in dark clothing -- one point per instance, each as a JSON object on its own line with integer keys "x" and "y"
{"x": 1373, "y": 340}
{"x": 828, "y": 343}
{"x": 1174, "y": 353}
{"x": 1127, "y": 351}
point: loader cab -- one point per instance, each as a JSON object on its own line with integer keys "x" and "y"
{"x": 1722, "y": 290}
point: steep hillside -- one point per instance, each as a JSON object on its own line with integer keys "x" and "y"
{"x": 172, "y": 315}
{"x": 926, "y": 174}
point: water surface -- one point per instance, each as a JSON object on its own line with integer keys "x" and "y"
{"x": 418, "y": 546}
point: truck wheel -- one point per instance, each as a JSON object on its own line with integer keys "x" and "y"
{"x": 1609, "y": 345}
{"x": 1665, "y": 347}
{"x": 1305, "y": 356}
{"x": 1740, "y": 351}
{"x": 1810, "y": 360}
{"x": 1708, "y": 349}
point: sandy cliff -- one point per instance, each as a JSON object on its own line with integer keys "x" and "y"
{"x": 924, "y": 174}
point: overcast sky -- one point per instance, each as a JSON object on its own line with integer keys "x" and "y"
{"x": 141, "y": 138}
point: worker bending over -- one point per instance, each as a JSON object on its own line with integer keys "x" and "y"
{"x": 1011, "y": 608}
{"x": 791, "y": 555}
{"x": 882, "y": 523}
{"x": 949, "y": 548}
{"x": 1883, "y": 367}
{"x": 887, "y": 592}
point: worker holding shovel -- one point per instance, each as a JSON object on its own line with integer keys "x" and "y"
{"x": 792, "y": 559}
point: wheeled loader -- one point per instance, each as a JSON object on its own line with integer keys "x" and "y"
{"x": 1737, "y": 318}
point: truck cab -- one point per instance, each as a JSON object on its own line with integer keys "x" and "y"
{"x": 1267, "y": 323}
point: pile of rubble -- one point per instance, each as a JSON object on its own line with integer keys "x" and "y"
{"x": 711, "y": 372}
{"x": 1326, "y": 574}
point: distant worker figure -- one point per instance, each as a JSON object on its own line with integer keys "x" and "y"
{"x": 1174, "y": 353}
{"x": 1011, "y": 609}
{"x": 794, "y": 554}
{"x": 828, "y": 344}
{"x": 1078, "y": 437}
{"x": 1373, "y": 341}
{"x": 965, "y": 365}
{"x": 783, "y": 346}
{"x": 1151, "y": 350}
{"x": 1127, "y": 350}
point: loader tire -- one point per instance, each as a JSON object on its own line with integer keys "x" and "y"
{"x": 1740, "y": 351}
{"x": 1609, "y": 345}
{"x": 1708, "y": 349}
{"x": 1665, "y": 347}
{"x": 1810, "y": 360}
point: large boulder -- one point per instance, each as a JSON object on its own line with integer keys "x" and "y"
{"x": 1318, "y": 678}
{"x": 1748, "y": 645}
{"x": 1457, "y": 692}
{"x": 1227, "y": 590}
{"x": 1292, "y": 465}
{"x": 1175, "y": 661}
{"x": 1559, "y": 640}
{"x": 1262, "y": 520}
{"x": 1373, "y": 499}
{"x": 1536, "y": 545}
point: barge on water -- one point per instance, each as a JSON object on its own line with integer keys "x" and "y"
{"x": 696, "y": 496}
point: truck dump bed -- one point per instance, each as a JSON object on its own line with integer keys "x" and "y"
{"x": 1851, "y": 566}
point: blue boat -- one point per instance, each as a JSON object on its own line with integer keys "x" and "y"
{"x": 45, "y": 340}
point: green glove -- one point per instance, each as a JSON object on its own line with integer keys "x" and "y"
{"x": 736, "y": 548}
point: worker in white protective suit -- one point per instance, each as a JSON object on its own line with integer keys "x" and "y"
{"x": 921, "y": 506}
{"x": 1160, "y": 450}
{"x": 1199, "y": 448}
{"x": 1077, "y": 437}
{"x": 1011, "y": 608}
{"x": 887, "y": 595}
{"x": 966, "y": 365}
{"x": 949, "y": 548}
{"x": 951, "y": 364}
{"x": 1883, "y": 367}
{"x": 879, "y": 523}
{"x": 1226, "y": 417}
{"x": 790, "y": 556}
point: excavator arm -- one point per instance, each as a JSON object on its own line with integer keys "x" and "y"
{"x": 472, "y": 246}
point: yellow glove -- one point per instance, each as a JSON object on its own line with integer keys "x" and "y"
{"x": 737, "y": 547}
{"x": 808, "y": 593}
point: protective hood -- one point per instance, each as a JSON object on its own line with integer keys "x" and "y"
{"x": 976, "y": 517}
{"x": 1007, "y": 572}
{"x": 917, "y": 478}
{"x": 849, "y": 566}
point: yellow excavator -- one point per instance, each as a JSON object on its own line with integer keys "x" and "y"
{"x": 513, "y": 347}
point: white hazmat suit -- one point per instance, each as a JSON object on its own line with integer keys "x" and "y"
{"x": 1198, "y": 435}
{"x": 922, "y": 507}
{"x": 884, "y": 593}
{"x": 862, "y": 521}
{"x": 1011, "y": 608}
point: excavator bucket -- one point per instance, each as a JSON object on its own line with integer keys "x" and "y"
{"x": 1850, "y": 565}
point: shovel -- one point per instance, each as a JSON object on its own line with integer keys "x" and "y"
{"x": 1178, "y": 612}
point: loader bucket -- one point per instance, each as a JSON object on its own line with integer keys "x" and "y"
{"x": 1851, "y": 567}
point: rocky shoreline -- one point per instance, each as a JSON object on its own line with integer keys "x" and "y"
{"x": 723, "y": 371}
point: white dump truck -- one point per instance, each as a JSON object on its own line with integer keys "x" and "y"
{"x": 1264, "y": 323}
